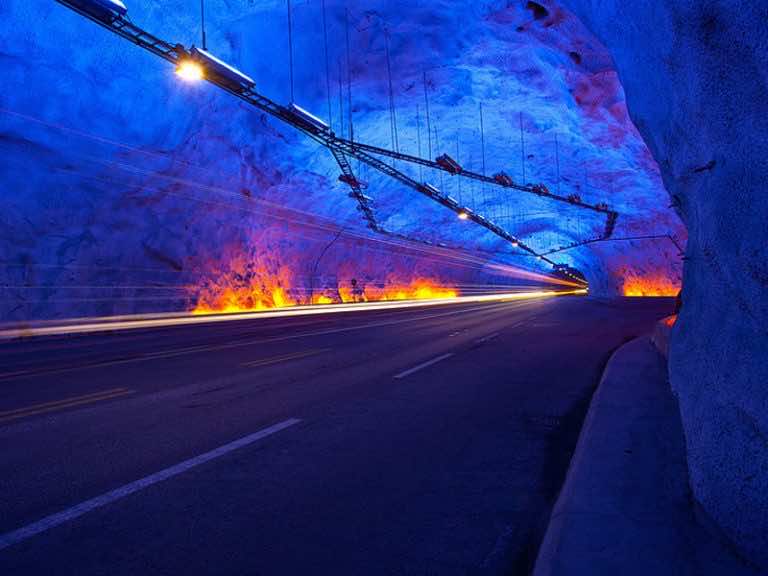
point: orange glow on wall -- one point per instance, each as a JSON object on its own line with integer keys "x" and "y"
{"x": 248, "y": 287}
{"x": 396, "y": 289}
{"x": 670, "y": 320}
{"x": 322, "y": 299}
{"x": 650, "y": 286}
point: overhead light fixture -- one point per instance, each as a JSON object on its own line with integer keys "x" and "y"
{"x": 308, "y": 118}
{"x": 105, "y": 10}
{"x": 221, "y": 70}
{"x": 463, "y": 216}
{"x": 190, "y": 71}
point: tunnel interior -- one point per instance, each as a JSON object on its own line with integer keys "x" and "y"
{"x": 133, "y": 191}
{"x": 137, "y": 192}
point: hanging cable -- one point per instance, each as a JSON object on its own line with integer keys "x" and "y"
{"x": 482, "y": 137}
{"x": 442, "y": 174}
{"x": 426, "y": 104}
{"x": 522, "y": 146}
{"x": 349, "y": 80}
{"x": 392, "y": 111}
{"x": 341, "y": 99}
{"x": 327, "y": 66}
{"x": 557, "y": 163}
{"x": 418, "y": 141}
{"x": 202, "y": 23}
{"x": 482, "y": 149}
{"x": 290, "y": 47}
{"x": 458, "y": 155}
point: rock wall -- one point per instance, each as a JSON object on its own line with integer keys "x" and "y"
{"x": 696, "y": 78}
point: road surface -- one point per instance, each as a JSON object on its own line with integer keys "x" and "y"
{"x": 415, "y": 441}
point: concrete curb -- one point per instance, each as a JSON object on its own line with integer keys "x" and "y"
{"x": 662, "y": 333}
{"x": 625, "y": 506}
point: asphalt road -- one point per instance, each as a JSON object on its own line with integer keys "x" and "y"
{"x": 418, "y": 441}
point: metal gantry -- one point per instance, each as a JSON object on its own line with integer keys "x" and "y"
{"x": 498, "y": 180}
{"x": 341, "y": 148}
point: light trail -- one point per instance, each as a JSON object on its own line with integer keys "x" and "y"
{"x": 144, "y": 321}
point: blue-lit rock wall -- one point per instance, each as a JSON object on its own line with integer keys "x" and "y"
{"x": 696, "y": 76}
{"x": 125, "y": 189}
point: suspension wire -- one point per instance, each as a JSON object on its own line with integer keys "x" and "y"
{"x": 418, "y": 141}
{"x": 349, "y": 79}
{"x": 392, "y": 113}
{"x": 290, "y": 47}
{"x": 341, "y": 99}
{"x": 482, "y": 148}
{"x": 458, "y": 180}
{"x": 557, "y": 163}
{"x": 482, "y": 137}
{"x": 202, "y": 23}
{"x": 426, "y": 104}
{"x": 442, "y": 174}
{"x": 472, "y": 184}
{"x": 522, "y": 147}
{"x": 327, "y": 67}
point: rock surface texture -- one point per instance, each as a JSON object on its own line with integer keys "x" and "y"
{"x": 696, "y": 78}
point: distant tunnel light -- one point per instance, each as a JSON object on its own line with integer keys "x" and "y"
{"x": 190, "y": 71}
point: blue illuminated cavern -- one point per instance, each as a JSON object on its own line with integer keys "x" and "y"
{"x": 619, "y": 146}
{"x": 186, "y": 175}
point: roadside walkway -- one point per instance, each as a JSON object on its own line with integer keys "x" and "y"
{"x": 626, "y": 508}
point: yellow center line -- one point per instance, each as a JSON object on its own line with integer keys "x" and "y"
{"x": 46, "y": 407}
{"x": 284, "y": 358}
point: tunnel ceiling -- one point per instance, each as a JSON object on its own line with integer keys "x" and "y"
{"x": 110, "y": 158}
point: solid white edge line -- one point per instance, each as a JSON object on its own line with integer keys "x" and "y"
{"x": 44, "y": 524}
{"x": 423, "y": 365}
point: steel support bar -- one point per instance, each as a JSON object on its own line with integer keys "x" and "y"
{"x": 339, "y": 147}
{"x": 352, "y": 150}
{"x": 472, "y": 175}
{"x": 363, "y": 202}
